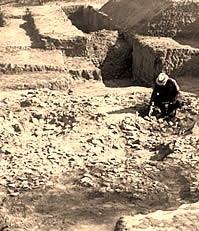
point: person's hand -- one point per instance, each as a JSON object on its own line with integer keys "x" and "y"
{"x": 150, "y": 111}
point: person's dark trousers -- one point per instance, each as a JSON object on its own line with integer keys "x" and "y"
{"x": 161, "y": 106}
{"x": 173, "y": 106}
{"x": 170, "y": 110}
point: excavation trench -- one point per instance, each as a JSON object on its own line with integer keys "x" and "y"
{"x": 88, "y": 19}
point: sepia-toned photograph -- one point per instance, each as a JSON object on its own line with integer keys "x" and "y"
{"x": 99, "y": 115}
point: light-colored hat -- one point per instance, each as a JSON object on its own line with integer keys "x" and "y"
{"x": 162, "y": 79}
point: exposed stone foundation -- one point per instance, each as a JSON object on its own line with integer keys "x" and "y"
{"x": 9, "y": 68}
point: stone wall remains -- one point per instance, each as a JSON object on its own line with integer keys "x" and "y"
{"x": 152, "y": 55}
{"x": 10, "y": 68}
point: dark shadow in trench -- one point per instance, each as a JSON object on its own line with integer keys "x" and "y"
{"x": 32, "y": 32}
{"x": 116, "y": 69}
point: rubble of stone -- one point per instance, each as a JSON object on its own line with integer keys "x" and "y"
{"x": 118, "y": 152}
{"x": 108, "y": 141}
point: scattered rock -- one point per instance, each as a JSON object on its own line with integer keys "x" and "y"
{"x": 125, "y": 154}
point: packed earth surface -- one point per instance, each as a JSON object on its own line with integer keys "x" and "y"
{"x": 77, "y": 155}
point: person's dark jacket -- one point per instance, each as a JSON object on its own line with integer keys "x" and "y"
{"x": 166, "y": 93}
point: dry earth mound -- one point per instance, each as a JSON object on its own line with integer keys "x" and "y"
{"x": 154, "y": 18}
{"x": 128, "y": 13}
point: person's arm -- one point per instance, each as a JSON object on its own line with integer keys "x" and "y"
{"x": 154, "y": 93}
{"x": 176, "y": 85}
{"x": 177, "y": 88}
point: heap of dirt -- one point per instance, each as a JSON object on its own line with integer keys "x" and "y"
{"x": 171, "y": 21}
{"x": 100, "y": 140}
{"x": 153, "y": 18}
{"x": 127, "y": 13}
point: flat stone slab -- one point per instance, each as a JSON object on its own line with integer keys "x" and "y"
{"x": 184, "y": 218}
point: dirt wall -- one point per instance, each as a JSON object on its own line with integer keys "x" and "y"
{"x": 110, "y": 52}
{"x": 60, "y": 34}
{"x": 88, "y": 19}
{"x": 151, "y": 55}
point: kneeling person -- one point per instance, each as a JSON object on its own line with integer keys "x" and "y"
{"x": 165, "y": 92}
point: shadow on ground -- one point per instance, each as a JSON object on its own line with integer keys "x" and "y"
{"x": 141, "y": 108}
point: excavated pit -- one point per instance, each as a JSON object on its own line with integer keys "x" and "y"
{"x": 88, "y": 19}
{"x": 87, "y": 33}
{"x": 106, "y": 47}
